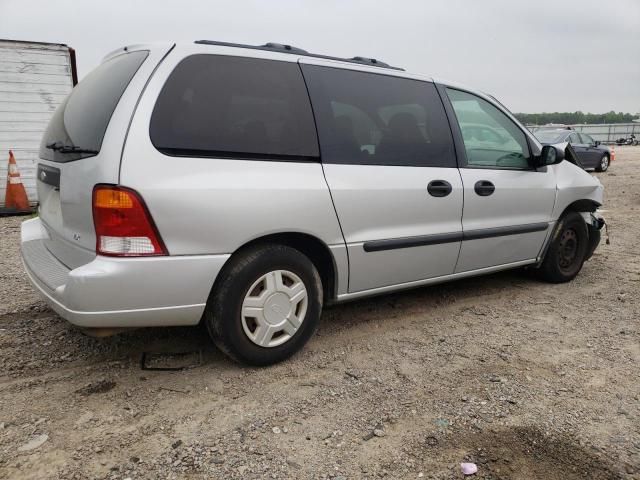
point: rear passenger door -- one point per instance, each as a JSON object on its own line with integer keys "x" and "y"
{"x": 580, "y": 148}
{"x": 592, "y": 153}
{"x": 388, "y": 158}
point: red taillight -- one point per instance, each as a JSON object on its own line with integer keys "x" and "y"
{"x": 123, "y": 225}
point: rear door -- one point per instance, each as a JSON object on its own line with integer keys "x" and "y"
{"x": 82, "y": 147}
{"x": 592, "y": 153}
{"x": 507, "y": 204}
{"x": 581, "y": 148}
{"x": 388, "y": 158}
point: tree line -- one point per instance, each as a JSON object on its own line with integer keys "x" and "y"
{"x": 571, "y": 118}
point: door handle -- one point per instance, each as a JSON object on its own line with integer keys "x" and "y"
{"x": 439, "y": 188}
{"x": 484, "y": 188}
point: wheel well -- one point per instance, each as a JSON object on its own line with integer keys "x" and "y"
{"x": 315, "y": 249}
{"x": 584, "y": 205}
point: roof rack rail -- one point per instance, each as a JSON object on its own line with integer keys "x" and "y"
{"x": 283, "y": 48}
{"x": 286, "y": 48}
{"x": 370, "y": 61}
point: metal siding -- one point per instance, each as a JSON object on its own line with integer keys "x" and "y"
{"x": 604, "y": 132}
{"x": 17, "y": 117}
{"x": 609, "y": 132}
{"x": 15, "y": 108}
{"x": 31, "y": 97}
{"x": 34, "y": 88}
{"x": 34, "y": 80}
{"x": 56, "y": 68}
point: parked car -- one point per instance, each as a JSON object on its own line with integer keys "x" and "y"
{"x": 591, "y": 153}
{"x": 247, "y": 187}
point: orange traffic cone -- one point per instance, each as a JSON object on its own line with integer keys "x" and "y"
{"x": 16, "y": 196}
{"x": 613, "y": 154}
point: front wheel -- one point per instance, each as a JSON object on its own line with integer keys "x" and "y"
{"x": 266, "y": 306}
{"x": 603, "y": 165}
{"x": 567, "y": 251}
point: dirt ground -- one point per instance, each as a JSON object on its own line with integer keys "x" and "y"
{"x": 526, "y": 379}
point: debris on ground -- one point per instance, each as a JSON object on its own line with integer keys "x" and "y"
{"x": 469, "y": 468}
{"x": 35, "y": 442}
{"x": 168, "y": 361}
{"x": 100, "y": 386}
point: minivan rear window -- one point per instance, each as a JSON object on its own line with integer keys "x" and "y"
{"x": 77, "y": 127}
{"x": 234, "y": 107}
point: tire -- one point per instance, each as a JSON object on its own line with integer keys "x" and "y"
{"x": 270, "y": 281}
{"x": 568, "y": 250}
{"x": 603, "y": 164}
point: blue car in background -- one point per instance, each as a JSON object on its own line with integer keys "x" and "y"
{"x": 589, "y": 151}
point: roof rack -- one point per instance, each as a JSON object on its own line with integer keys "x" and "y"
{"x": 282, "y": 48}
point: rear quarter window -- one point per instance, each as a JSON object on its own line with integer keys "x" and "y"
{"x": 225, "y": 106}
{"x": 81, "y": 121}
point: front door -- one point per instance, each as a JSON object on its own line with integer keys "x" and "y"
{"x": 388, "y": 158}
{"x": 507, "y": 204}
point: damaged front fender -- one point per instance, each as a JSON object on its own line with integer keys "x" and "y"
{"x": 576, "y": 188}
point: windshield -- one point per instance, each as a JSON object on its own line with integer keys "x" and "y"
{"x": 78, "y": 125}
{"x": 550, "y": 136}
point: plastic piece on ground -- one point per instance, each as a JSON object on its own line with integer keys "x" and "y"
{"x": 469, "y": 468}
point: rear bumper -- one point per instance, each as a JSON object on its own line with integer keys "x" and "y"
{"x": 120, "y": 292}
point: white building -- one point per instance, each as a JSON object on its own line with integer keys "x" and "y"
{"x": 34, "y": 79}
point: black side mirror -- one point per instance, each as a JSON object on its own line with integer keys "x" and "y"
{"x": 597, "y": 143}
{"x": 550, "y": 155}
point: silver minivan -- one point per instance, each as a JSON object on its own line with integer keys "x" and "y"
{"x": 248, "y": 186}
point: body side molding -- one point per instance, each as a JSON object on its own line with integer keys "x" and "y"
{"x": 418, "y": 241}
{"x": 395, "y": 243}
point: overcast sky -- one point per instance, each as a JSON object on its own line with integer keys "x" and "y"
{"x": 534, "y": 55}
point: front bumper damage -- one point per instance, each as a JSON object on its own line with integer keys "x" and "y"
{"x": 595, "y": 222}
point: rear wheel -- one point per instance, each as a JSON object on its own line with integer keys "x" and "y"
{"x": 604, "y": 164}
{"x": 266, "y": 306}
{"x": 567, "y": 251}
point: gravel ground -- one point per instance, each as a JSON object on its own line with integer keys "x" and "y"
{"x": 526, "y": 379}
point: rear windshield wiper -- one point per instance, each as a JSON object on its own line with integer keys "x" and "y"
{"x": 61, "y": 148}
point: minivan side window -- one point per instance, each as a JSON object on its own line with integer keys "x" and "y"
{"x": 375, "y": 119}
{"x": 234, "y": 107}
{"x": 491, "y": 138}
